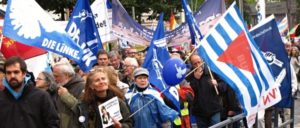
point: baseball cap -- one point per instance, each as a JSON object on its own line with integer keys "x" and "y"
{"x": 140, "y": 71}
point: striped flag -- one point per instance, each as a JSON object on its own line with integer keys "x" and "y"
{"x": 283, "y": 26}
{"x": 231, "y": 52}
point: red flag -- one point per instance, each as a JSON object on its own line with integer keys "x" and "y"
{"x": 295, "y": 31}
{"x": 10, "y": 48}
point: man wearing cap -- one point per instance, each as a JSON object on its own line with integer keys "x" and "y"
{"x": 146, "y": 104}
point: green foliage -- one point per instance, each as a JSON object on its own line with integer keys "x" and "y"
{"x": 298, "y": 11}
{"x": 157, "y": 6}
{"x": 58, "y": 6}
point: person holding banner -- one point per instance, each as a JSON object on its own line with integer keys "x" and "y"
{"x": 97, "y": 91}
{"x": 147, "y": 107}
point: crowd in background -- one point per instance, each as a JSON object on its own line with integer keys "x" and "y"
{"x": 69, "y": 98}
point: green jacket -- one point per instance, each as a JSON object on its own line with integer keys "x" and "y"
{"x": 68, "y": 101}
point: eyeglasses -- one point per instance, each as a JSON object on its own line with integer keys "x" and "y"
{"x": 39, "y": 79}
{"x": 128, "y": 66}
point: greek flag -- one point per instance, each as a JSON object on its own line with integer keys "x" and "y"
{"x": 83, "y": 30}
{"x": 26, "y": 22}
{"x": 231, "y": 52}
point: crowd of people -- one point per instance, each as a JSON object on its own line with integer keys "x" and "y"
{"x": 66, "y": 97}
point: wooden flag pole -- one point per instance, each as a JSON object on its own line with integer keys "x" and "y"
{"x": 212, "y": 77}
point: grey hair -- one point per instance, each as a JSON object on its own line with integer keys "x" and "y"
{"x": 114, "y": 53}
{"x": 52, "y": 85}
{"x": 132, "y": 61}
{"x": 66, "y": 68}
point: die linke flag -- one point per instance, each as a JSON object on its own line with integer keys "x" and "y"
{"x": 26, "y": 22}
{"x": 82, "y": 29}
{"x": 10, "y": 47}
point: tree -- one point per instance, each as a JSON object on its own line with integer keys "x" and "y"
{"x": 166, "y": 6}
{"x": 298, "y": 11}
{"x": 146, "y": 6}
{"x": 58, "y": 6}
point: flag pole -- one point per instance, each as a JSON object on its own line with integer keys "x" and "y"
{"x": 212, "y": 78}
{"x": 194, "y": 70}
{"x": 190, "y": 55}
{"x": 147, "y": 103}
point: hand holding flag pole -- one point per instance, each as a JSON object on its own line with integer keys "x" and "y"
{"x": 213, "y": 79}
{"x": 194, "y": 69}
{"x": 195, "y": 33}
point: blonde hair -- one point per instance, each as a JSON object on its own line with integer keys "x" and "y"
{"x": 89, "y": 95}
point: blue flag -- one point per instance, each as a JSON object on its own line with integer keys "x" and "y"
{"x": 196, "y": 35}
{"x": 267, "y": 37}
{"x": 26, "y": 22}
{"x": 157, "y": 55}
{"x": 83, "y": 30}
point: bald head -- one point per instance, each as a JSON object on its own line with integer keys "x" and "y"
{"x": 196, "y": 60}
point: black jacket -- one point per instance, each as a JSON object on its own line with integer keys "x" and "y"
{"x": 206, "y": 101}
{"x": 92, "y": 114}
{"x": 34, "y": 109}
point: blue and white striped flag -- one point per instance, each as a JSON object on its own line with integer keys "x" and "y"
{"x": 82, "y": 28}
{"x": 231, "y": 52}
{"x": 283, "y": 26}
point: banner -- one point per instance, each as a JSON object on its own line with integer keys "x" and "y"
{"x": 124, "y": 27}
{"x": 102, "y": 16}
{"x": 231, "y": 52}
{"x": 26, "y": 22}
{"x": 267, "y": 37}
